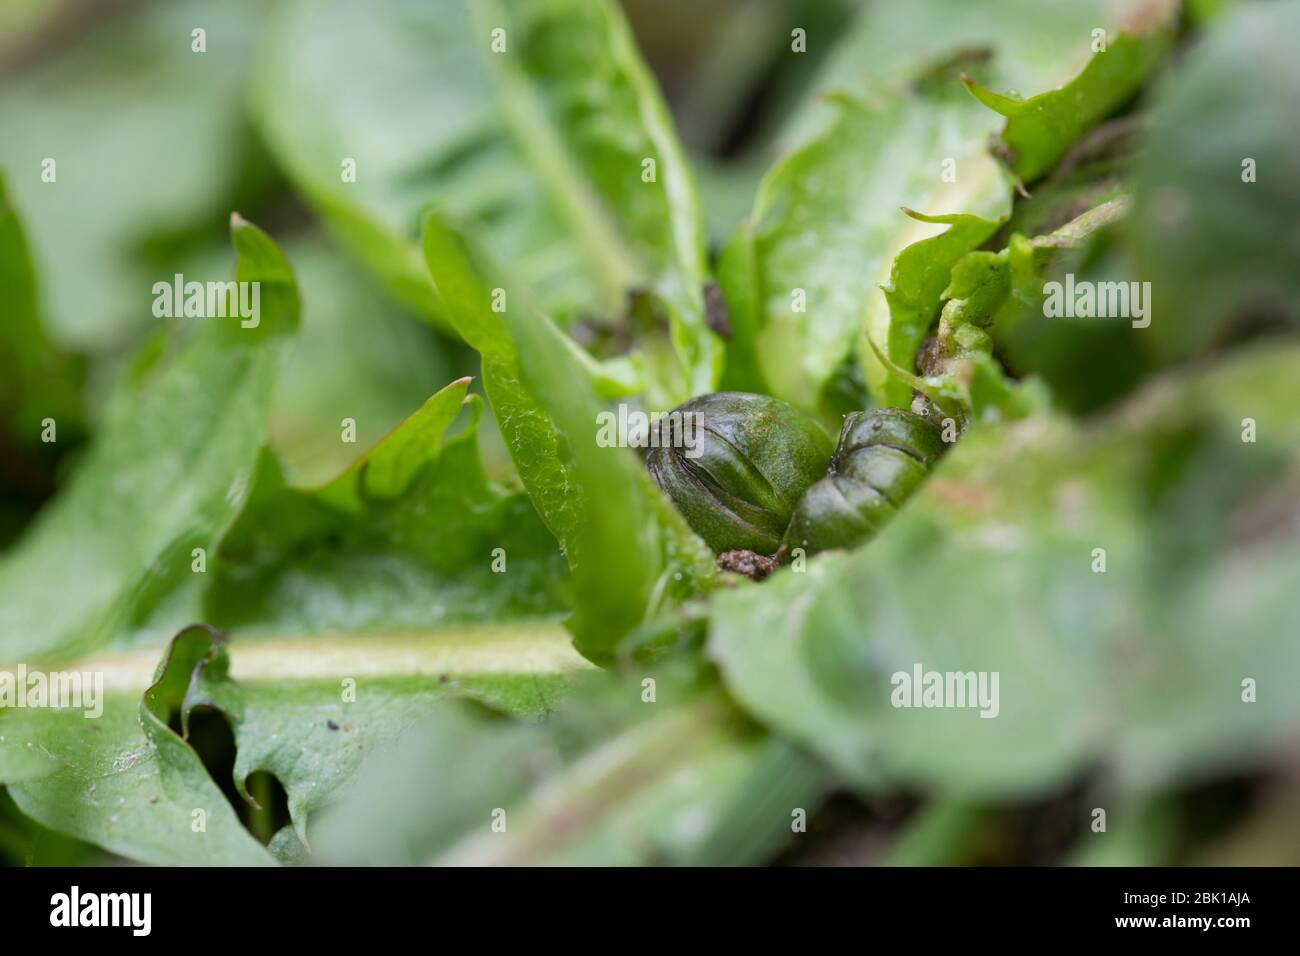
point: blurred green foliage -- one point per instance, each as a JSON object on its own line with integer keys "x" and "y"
{"x": 462, "y": 563}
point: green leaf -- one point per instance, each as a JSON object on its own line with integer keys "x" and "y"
{"x": 1040, "y": 129}
{"x": 899, "y": 131}
{"x": 386, "y": 470}
{"x": 629, "y": 552}
{"x": 126, "y": 781}
{"x": 167, "y": 474}
{"x": 917, "y": 280}
{"x": 307, "y": 711}
{"x": 605, "y": 780}
{"x": 24, "y": 842}
{"x": 589, "y": 114}
{"x": 313, "y": 727}
{"x": 117, "y": 191}
{"x": 405, "y": 64}
{"x": 550, "y": 180}
{"x": 991, "y": 569}
{"x": 36, "y": 382}
{"x": 998, "y": 299}
{"x": 355, "y": 357}
{"x": 411, "y": 537}
{"x": 821, "y": 224}
{"x": 895, "y": 45}
{"x": 1216, "y": 202}
{"x": 112, "y": 788}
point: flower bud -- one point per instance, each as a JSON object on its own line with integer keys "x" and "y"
{"x": 882, "y": 457}
{"x": 751, "y": 459}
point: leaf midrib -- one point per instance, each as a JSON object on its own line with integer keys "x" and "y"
{"x": 534, "y": 647}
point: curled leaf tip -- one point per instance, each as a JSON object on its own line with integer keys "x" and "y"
{"x": 943, "y": 220}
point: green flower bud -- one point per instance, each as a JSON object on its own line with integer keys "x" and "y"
{"x": 881, "y": 458}
{"x": 750, "y": 460}
{"x": 758, "y": 478}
